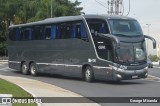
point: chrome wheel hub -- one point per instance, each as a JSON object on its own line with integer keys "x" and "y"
{"x": 33, "y": 69}
{"x": 88, "y": 74}
{"x": 24, "y": 68}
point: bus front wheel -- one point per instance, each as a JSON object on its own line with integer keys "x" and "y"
{"x": 33, "y": 69}
{"x": 89, "y": 75}
{"x": 24, "y": 68}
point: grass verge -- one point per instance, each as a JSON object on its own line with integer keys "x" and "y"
{"x": 9, "y": 88}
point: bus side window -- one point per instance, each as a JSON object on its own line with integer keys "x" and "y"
{"x": 103, "y": 28}
{"x": 64, "y": 30}
{"x": 80, "y": 31}
{"x": 58, "y": 30}
{"x": 73, "y": 31}
{"x": 12, "y": 34}
{"x": 30, "y": 34}
{"x": 47, "y": 32}
{"x": 33, "y": 34}
{"x": 97, "y": 26}
{"x": 26, "y": 34}
{"x": 37, "y": 33}
{"x": 83, "y": 31}
{"x": 18, "y": 37}
{"x": 53, "y": 31}
{"x": 104, "y": 49}
{"x": 68, "y": 30}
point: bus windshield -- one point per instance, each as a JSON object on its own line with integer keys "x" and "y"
{"x": 131, "y": 54}
{"x": 121, "y": 27}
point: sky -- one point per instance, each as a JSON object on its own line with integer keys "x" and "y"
{"x": 145, "y": 11}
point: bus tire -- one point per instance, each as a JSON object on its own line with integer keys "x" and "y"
{"x": 33, "y": 69}
{"x": 24, "y": 68}
{"x": 89, "y": 74}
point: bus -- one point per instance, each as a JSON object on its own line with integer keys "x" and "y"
{"x": 87, "y": 46}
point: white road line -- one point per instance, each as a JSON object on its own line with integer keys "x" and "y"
{"x": 154, "y": 77}
{"x": 156, "y": 67}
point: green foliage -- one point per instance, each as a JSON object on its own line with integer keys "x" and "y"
{"x": 23, "y": 11}
{"x": 154, "y": 58}
{"x": 3, "y": 44}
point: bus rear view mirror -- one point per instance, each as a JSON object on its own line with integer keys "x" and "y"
{"x": 109, "y": 36}
{"x": 153, "y": 40}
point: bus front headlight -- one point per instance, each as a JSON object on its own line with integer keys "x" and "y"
{"x": 146, "y": 68}
{"x": 114, "y": 68}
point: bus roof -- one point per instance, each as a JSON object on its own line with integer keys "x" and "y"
{"x": 70, "y": 18}
{"x": 108, "y": 17}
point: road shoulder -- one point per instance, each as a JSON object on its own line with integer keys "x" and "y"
{"x": 41, "y": 89}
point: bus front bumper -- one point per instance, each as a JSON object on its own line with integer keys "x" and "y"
{"x": 121, "y": 74}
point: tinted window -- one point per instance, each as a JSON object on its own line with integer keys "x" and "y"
{"x": 125, "y": 27}
{"x": 65, "y": 30}
{"x": 37, "y": 33}
{"x": 47, "y": 32}
{"x": 97, "y": 26}
{"x": 10, "y": 34}
{"x": 103, "y": 45}
{"x": 26, "y": 34}
{"x": 127, "y": 54}
{"x": 14, "y": 34}
{"x": 71, "y": 30}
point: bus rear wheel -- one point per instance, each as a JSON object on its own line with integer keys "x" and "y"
{"x": 89, "y": 75}
{"x": 33, "y": 69}
{"x": 24, "y": 68}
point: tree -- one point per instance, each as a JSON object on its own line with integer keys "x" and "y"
{"x": 66, "y": 8}
{"x": 3, "y": 44}
{"x": 59, "y": 8}
{"x": 23, "y": 11}
{"x": 154, "y": 58}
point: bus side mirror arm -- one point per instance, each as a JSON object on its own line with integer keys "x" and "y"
{"x": 110, "y": 36}
{"x": 153, "y": 40}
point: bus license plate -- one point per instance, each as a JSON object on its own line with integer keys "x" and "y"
{"x": 135, "y": 76}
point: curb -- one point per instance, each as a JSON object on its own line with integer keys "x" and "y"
{"x": 39, "y": 104}
{"x": 50, "y": 90}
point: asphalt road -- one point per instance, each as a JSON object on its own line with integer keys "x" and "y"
{"x": 149, "y": 87}
{"x": 155, "y": 71}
